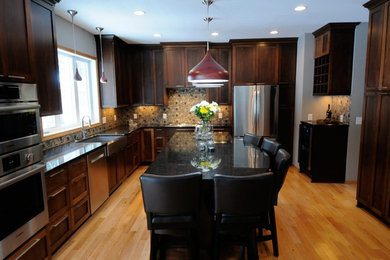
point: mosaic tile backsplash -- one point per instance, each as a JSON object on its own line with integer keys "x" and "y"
{"x": 180, "y": 102}
{"x": 341, "y": 106}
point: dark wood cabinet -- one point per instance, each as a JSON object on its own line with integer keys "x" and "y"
{"x": 244, "y": 64}
{"x": 147, "y": 145}
{"x": 46, "y": 57}
{"x": 223, "y": 95}
{"x": 36, "y": 248}
{"x": 323, "y": 151}
{"x": 16, "y": 52}
{"x": 179, "y": 59}
{"x": 373, "y": 190}
{"x": 267, "y": 63}
{"x": 67, "y": 190}
{"x": 116, "y": 164}
{"x": 117, "y": 61}
{"x": 333, "y": 57}
{"x": 133, "y": 151}
{"x": 161, "y": 138}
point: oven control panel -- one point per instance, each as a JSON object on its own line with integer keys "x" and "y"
{"x": 11, "y": 162}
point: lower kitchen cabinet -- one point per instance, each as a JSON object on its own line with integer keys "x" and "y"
{"x": 133, "y": 151}
{"x": 161, "y": 138}
{"x": 147, "y": 145}
{"x": 37, "y": 248}
{"x": 116, "y": 164}
{"x": 67, "y": 190}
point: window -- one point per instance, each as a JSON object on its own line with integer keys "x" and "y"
{"x": 79, "y": 98}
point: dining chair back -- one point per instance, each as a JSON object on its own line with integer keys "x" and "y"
{"x": 172, "y": 206}
{"x": 280, "y": 168}
{"x": 252, "y": 139}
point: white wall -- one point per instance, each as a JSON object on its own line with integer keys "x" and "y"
{"x": 358, "y": 72}
{"x": 85, "y": 42}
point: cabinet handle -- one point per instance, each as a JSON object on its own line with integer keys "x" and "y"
{"x": 28, "y": 249}
{"x": 81, "y": 176}
{"x": 81, "y": 203}
{"x": 58, "y": 192}
{"x": 16, "y": 77}
{"x": 56, "y": 173}
{"x": 97, "y": 158}
{"x": 59, "y": 221}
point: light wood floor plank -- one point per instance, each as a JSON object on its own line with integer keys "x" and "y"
{"x": 314, "y": 221}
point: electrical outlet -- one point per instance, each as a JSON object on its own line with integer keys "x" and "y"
{"x": 358, "y": 120}
{"x": 220, "y": 115}
{"x": 310, "y": 117}
{"x": 135, "y": 116}
{"x": 104, "y": 119}
{"x": 164, "y": 116}
{"x": 114, "y": 117}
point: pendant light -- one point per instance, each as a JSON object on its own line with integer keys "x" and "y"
{"x": 208, "y": 73}
{"x": 77, "y": 76}
{"x": 103, "y": 78}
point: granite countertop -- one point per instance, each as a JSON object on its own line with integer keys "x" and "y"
{"x": 230, "y": 157}
{"x": 325, "y": 123}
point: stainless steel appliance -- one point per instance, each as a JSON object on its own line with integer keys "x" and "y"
{"x": 256, "y": 110}
{"x": 23, "y": 204}
{"x": 98, "y": 178}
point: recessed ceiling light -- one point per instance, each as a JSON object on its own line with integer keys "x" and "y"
{"x": 300, "y": 8}
{"x": 214, "y": 33}
{"x": 274, "y": 32}
{"x": 139, "y": 12}
{"x": 158, "y": 35}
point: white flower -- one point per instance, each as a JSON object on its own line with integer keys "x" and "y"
{"x": 213, "y": 109}
{"x": 204, "y": 103}
{"x": 192, "y": 110}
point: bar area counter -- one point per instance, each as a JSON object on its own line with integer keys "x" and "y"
{"x": 230, "y": 157}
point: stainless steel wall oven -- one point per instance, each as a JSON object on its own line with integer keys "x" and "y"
{"x": 23, "y": 204}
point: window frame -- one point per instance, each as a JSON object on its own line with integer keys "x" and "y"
{"x": 98, "y": 101}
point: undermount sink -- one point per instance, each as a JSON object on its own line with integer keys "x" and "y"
{"x": 114, "y": 142}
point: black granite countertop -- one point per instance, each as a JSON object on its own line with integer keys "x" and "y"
{"x": 325, "y": 123}
{"x": 230, "y": 157}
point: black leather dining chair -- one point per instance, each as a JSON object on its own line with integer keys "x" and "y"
{"x": 172, "y": 205}
{"x": 241, "y": 202}
{"x": 271, "y": 147}
{"x": 252, "y": 139}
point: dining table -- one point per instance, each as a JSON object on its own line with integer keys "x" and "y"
{"x": 226, "y": 155}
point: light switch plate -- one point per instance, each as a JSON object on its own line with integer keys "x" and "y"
{"x": 135, "y": 116}
{"x": 358, "y": 120}
{"x": 164, "y": 116}
{"x": 104, "y": 119}
{"x": 220, "y": 115}
{"x": 310, "y": 117}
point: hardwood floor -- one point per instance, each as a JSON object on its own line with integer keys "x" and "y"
{"x": 314, "y": 221}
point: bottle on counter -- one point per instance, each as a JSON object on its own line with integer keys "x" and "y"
{"x": 328, "y": 113}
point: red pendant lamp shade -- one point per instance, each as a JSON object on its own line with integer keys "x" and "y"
{"x": 208, "y": 71}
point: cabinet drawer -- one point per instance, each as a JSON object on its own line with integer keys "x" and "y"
{"x": 77, "y": 167}
{"x": 78, "y": 188}
{"x": 57, "y": 201}
{"x": 80, "y": 212}
{"x": 35, "y": 249}
{"x": 56, "y": 179}
{"x": 59, "y": 230}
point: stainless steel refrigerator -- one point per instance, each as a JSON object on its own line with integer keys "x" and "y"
{"x": 256, "y": 110}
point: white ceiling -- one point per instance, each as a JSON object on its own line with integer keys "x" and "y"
{"x": 182, "y": 20}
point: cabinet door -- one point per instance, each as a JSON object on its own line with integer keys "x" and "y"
{"x": 174, "y": 74}
{"x": 147, "y": 145}
{"x": 17, "y": 52}
{"x": 78, "y": 188}
{"x": 148, "y": 77}
{"x": 46, "y": 58}
{"x": 58, "y": 202}
{"x": 386, "y": 65}
{"x": 244, "y": 64}
{"x": 80, "y": 212}
{"x": 223, "y": 94}
{"x": 136, "y": 77}
{"x": 37, "y": 248}
{"x": 160, "y": 95}
{"x": 193, "y": 56}
{"x": 368, "y": 152}
{"x": 59, "y": 231}
{"x": 120, "y": 166}
{"x": 112, "y": 175}
{"x": 374, "y": 48}
{"x": 267, "y": 60}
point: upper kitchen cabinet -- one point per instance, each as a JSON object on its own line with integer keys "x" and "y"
{"x": 46, "y": 57}
{"x": 378, "y": 49}
{"x": 114, "y": 93}
{"x": 153, "y": 92}
{"x": 179, "y": 59}
{"x": 16, "y": 48}
{"x": 223, "y": 95}
{"x": 333, "y": 54}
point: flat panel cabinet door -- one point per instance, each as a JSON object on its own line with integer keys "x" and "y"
{"x": 244, "y": 64}
{"x": 368, "y": 151}
{"x": 46, "y": 58}
{"x": 174, "y": 67}
{"x": 193, "y": 56}
{"x": 147, "y": 76}
{"x": 16, "y": 42}
{"x": 267, "y": 58}
{"x": 136, "y": 78}
{"x": 223, "y": 94}
{"x": 148, "y": 145}
{"x": 386, "y": 65}
{"x": 160, "y": 95}
{"x": 383, "y": 158}
{"x": 374, "y": 50}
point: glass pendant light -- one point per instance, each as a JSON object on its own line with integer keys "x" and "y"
{"x": 208, "y": 73}
{"x": 103, "y": 78}
{"x": 77, "y": 76}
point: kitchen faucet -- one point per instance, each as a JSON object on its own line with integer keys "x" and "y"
{"x": 83, "y": 130}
